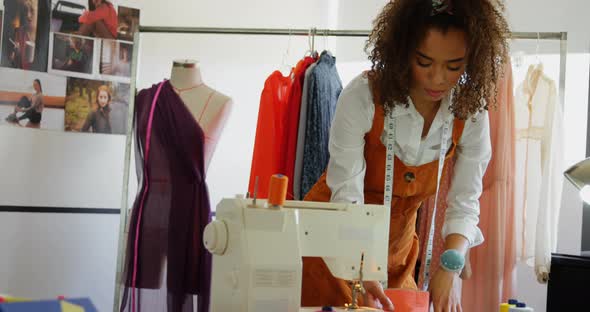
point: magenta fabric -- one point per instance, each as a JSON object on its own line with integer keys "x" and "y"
{"x": 166, "y": 263}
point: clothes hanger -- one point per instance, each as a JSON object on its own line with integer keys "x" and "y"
{"x": 539, "y": 64}
{"x": 326, "y": 43}
{"x": 534, "y": 73}
{"x": 286, "y": 68}
{"x": 537, "y": 47}
{"x": 311, "y": 44}
{"x": 536, "y": 68}
{"x": 518, "y": 59}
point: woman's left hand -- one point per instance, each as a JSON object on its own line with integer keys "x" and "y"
{"x": 445, "y": 291}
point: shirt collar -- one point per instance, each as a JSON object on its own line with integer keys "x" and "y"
{"x": 410, "y": 109}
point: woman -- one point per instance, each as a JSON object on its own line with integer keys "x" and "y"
{"x": 100, "y": 22}
{"x": 434, "y": 63}
{"x": 99, "y": 120}
{"x": 32, "y": 108}
{"x": 22, "y": 54}
{"x": 77, "y": 59}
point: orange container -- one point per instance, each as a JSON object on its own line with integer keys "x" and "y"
{"x": 409, "y": 300}
{"x": 277, "y": 191}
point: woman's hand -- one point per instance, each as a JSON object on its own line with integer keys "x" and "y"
{"x": 466, "y": 272}
{"x": 445, "y": 291}
{"x": 375, "y": 296}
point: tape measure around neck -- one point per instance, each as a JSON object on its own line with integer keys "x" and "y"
{"x": 390, "y": 127}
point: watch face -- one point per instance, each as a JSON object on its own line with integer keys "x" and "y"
{"x": 452, "y": 260}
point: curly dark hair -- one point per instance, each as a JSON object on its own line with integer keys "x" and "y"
{"x": 403, "y": 24}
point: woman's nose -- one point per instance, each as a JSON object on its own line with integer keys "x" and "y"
{"x": 438, "y": 75}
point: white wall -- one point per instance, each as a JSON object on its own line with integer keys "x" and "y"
{"x": 234, "y": 65}
{"x": 351, "y": 59}
{"x": 530, "y": 16}
{"x": 46, "y": 255}
{"x": 567, "y": 16}
{"x": 43, "y": 255}
{"x": 237, "y": 66}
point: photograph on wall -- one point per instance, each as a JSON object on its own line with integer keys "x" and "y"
{"x": 72, "y": 53}
{"x": 65, "y": 15}
{"x": 96, "y": 106}
{"x": 128, "y": 23}
{"x": 115, "y": 59}
{"x": 25, "y": 34}
{"x": 32, "y": 99}
{"x": 91, "y": 18}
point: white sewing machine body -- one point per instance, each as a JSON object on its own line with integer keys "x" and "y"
{"x": 257, "y": 251}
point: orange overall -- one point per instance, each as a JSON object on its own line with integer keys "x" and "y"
{"x": 412, "y": 185}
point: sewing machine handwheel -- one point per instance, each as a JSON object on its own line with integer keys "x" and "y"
{"x": 215, "y": 237}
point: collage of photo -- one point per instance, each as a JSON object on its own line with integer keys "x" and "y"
{"x": 68, "y": 63}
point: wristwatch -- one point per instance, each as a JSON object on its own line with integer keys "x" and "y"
{"x": 452, "y": 261}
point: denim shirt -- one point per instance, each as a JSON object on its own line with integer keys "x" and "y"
{"x": 322, "y": 95}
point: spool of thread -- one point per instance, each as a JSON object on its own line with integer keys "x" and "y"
{"x": 504, "y": 307}
{"x": 277, "y": 191}
{"x": 521, "y": 307}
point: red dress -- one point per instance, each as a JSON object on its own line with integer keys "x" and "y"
{"x": 292, "y": 127}
{"x": 268, "y": 156}
{"x": 106, "y": 13}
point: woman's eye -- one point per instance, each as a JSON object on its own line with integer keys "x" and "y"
{"x": 422, "y": 64}
{"x": 454, "y": 68}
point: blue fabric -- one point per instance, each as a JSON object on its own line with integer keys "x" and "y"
{"x": 45, "y": 305}
{"x": 322, "y": 95}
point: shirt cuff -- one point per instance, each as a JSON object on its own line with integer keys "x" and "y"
{"x": 471, "y": 232}
{"x": 347, "y": 198}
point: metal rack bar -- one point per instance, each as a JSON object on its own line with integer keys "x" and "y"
{"x": 561, "y": 36}
{"x": 254, "y": 31}
{"x": 312, "y": 31}
{"x": 562, "y": 67}
{"x": 124, "y": 212}
{"x": 539, "y": 35}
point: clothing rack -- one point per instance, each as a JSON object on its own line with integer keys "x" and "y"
{"x": 312, "y": 33}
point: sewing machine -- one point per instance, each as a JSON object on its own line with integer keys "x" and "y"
{"x": 257, "y": 250}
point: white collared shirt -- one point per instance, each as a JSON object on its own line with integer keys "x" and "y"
{"x": 346, "y": 168}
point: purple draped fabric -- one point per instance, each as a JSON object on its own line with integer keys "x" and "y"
{"x": 172, "y": 264}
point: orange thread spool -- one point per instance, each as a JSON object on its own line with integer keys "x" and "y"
{"x": 277, "y": 191}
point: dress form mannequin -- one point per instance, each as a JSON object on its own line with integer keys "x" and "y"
{"x": 210, "y": 108}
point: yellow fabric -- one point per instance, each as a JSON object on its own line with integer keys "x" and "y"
{"x": 7, "y": 299}
{"x": 69, "y": 307}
